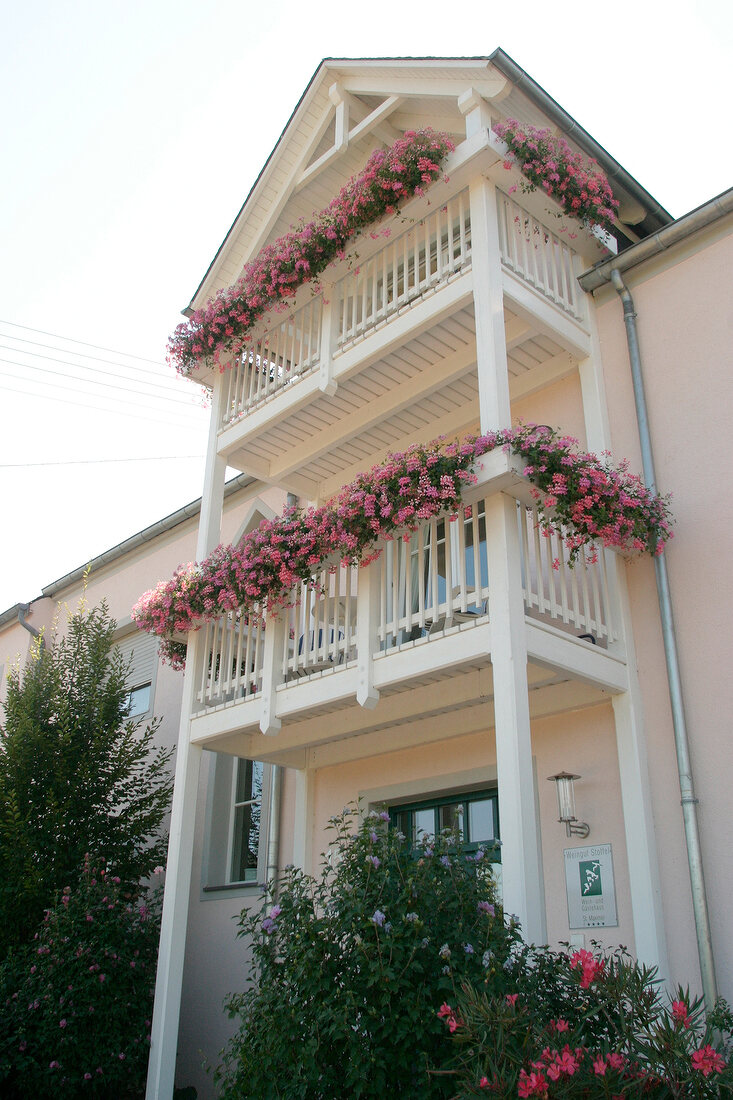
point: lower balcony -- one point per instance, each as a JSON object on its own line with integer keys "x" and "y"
{"x": 418, "y": 615}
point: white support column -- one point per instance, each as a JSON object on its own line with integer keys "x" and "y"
{"x": 521, "y": 864}
{"x": 169, "y": 979}
{"x": 488, "y": 297}
{"x": 303, "y": 813}
{"x": 341, "y": 125}
{"x": 367, "y": 625}
{"x": 641, "y": 844}
{"x": 272, "y": 672}
{"x": 326, "y": 382}
{"x": 476, "y": 111}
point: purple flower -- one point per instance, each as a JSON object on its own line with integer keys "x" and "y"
{"x": 378, "y": 918}
{"x": 468, "y": 948}
{"x": 445, "y": 860}
{"x": 486, "y": 907}
{"x": 374, "y": 860}
{"x": 373, "y": 837}
{"x": 384, "y": 816}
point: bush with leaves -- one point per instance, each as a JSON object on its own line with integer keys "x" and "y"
{"x": 77, "y": 774}
{"x": 76, "y": 1003}
{"x": 586, "y": 1025}
{"x": 347, "y": 968}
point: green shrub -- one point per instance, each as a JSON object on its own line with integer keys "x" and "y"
{"x": 587, "y": 1025}
{"x": 347, "y": 969}
{"x": 77, "y": 1002}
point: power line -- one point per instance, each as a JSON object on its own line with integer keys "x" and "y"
{"x": 84, "y": 344}
{"x": 96, "y": 461}
{"x": 83, "y": 355}
{"x": 99, "y": 408}
{"x": 178, "y": 399}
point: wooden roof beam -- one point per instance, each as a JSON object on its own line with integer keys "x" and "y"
{"x": 349, "y": 108}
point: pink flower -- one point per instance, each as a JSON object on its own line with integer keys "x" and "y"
{"x": 680, "y": 1013}
{"x": 707, "y": 1061}
{"x": 531, "y": 1084}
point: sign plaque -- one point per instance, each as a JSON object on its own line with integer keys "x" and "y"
{"x": 590, "y": 887}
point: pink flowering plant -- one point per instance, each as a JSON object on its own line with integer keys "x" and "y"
{"x": 390, "y": 177}
{"x": 77, "y": 1000}
{"x": 588, "y": 1025}
{"x": 547, "y": 162}
{"x": 582, "y": 496}
{"x": 347, "y": 966}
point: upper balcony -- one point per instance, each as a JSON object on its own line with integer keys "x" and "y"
{"x": 415, "y": 624}
{"x": 386, "y": 353}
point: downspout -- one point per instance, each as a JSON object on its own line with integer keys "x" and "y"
{"x": 23, "y": 609}
{"x": 684, "y": 767}
{"x": 273, "y": 832}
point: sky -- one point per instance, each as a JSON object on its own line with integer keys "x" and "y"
{"x": 131, "y": 134}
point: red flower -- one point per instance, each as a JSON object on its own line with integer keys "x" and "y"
{"x": 707, "y": 1061}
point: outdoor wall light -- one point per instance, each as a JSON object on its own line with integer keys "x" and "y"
{"x": 566, "y": 804}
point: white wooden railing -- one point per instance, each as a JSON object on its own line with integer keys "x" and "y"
{"x": 287, "y": 351}
{"x": 233, "y": 654}
{"x": 538, "y": 256}
{"x": 577, "y": 597}
{"x": 422, "y": 258}
{"x": 434, "y": 578}
{"x": 320, "y": 625}
{"x": 425, "y": 584}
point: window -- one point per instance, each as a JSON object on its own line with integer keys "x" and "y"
{"x": 235, "y": 847}
{"x": 246, "y": 816}
{"x": 475, "y": 814}
{"x": 140, "y": 652}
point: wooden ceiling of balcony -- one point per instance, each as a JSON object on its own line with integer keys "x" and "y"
{"x": 425, "y": 388}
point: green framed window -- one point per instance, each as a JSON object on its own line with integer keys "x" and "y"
{"x": 475, "y": 814}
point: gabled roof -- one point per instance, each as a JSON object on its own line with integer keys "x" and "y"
{"x": 351, "y": 104}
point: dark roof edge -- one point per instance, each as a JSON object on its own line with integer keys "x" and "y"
{"x": 657, "y": 216}
{"x": 190, "y": 307}
{"x": 160, "y": 527}
{"x": 711, "y": 211}
{"x": 11, "y": 614}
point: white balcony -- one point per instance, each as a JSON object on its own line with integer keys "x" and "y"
{"x": 419, "y": 613}
{"x": 387, "y": 348}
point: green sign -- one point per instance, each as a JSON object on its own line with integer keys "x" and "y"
{"x": 590, "y": 887}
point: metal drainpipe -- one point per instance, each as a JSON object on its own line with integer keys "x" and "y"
{"x": 273, "y": 832}
{"x": 676, "y": 698}
{"x": 23, "y": 609}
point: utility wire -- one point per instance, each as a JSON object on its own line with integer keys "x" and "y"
{"x": 84, "y": 355}
{"x": 84, "y": 344}
{"x": 175, "y": 398}
{"x": 99, "y": 408}
{"x": 96, "y": 461}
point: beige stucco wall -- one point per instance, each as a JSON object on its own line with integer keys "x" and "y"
{"x": 583, "y": 741}
{"x": 685, "y": 330}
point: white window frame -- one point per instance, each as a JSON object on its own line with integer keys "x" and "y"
{"x": 220, "y": 825}
{"x": 143, "y": 666}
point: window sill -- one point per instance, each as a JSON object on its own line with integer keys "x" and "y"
{"x": 234, "y": 888}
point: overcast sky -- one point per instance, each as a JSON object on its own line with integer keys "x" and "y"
{"x": 131, "y": 135}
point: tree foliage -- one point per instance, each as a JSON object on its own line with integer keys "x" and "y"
{"x": 77, "y": 1001}
{"x": 77, "y": 775}
{"x": 349, "y": 969}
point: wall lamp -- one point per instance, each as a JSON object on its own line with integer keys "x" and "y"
{"x": 566, "y": 804}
